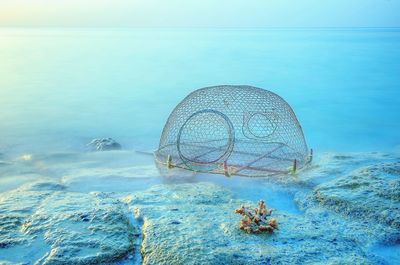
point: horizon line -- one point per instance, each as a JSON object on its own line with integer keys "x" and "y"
{"x": 199, "y": 27}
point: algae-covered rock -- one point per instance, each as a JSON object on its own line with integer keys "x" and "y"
{"x": 196, "y": 224}
{"x": 43, "y": 223}
{"x": 371, "y": 194}
{"x": 344, "y": 214}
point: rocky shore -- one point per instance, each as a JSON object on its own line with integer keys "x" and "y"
{"x": 347, "y": 205}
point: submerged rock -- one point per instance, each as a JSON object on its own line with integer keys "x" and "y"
{"x": 371, "y": 193}
{"x": 208, "y": 234}
{"x": 104, "y": 144}
{"x": 43, "y": 223}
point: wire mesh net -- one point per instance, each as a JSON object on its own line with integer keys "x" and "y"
{"x": 233, "y": 130}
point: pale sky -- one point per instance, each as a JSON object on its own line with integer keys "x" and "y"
{"x": 200, "y": 13}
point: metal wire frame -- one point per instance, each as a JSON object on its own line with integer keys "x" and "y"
{"x": 236, "y": 168}
{"x": 233, "y": 130}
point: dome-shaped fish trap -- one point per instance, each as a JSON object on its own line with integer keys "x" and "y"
{"x": 233, "y": 130}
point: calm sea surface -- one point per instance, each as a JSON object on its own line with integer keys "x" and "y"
{"x": 61, "y": 87}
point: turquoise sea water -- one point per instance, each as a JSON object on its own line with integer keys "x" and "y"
{"x": 61, "y": 87}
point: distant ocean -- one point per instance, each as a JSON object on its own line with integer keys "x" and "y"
{"x": 59, "y": 88}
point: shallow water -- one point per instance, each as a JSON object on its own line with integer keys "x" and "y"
{"x": 59, "y": 88}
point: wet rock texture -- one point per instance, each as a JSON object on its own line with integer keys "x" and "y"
{"x": 348, "y": 205}
{"x": 371, "y": 193}
{"x": 43, "y": 224}
{"x": 196, "y": 224}
{"x": 104, "y": 144}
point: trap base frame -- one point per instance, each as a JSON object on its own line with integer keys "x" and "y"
{"x": 234, "y": 169}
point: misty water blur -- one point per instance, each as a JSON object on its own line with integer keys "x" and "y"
{"x": 59, "y": 88}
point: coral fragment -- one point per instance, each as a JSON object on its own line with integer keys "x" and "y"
{"x": 256, "y": 221}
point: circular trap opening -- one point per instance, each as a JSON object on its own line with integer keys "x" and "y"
{"x": 206, "y": 137}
